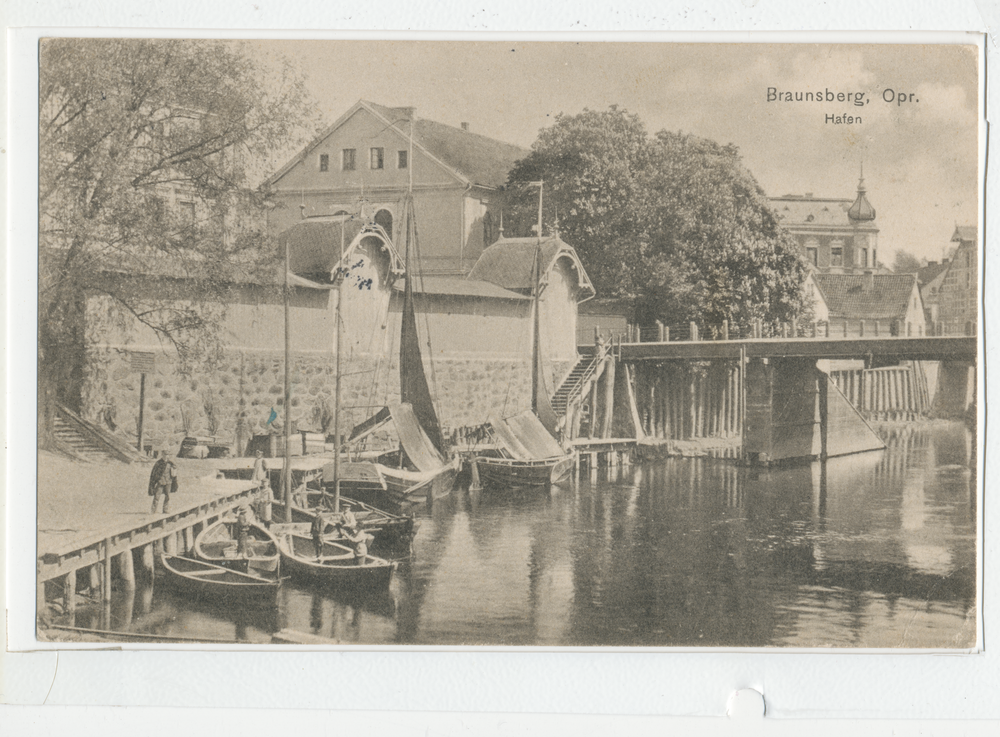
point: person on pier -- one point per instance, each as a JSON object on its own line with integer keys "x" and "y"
{"x": 242, "y": 529}
{"x": 162, "y": 482}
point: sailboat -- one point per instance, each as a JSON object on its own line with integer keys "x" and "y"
{"x": 528, "y": 453}
{"x": 418, "y": 471}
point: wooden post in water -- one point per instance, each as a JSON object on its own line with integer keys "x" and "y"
{"x": 126, "y": 568}
{"x": 188, "y": 539}
{"x": 69, "y": 592}
{"x": 147, "y": 561}
{"x": 170, "y": 544}
{"x": 609, "y": 395}
{"x": 106, "y": 585}
{"x": 824, "y": 425}
{"x": 593, "y": 409}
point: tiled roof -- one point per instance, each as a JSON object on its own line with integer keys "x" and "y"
{"x": 793, "y": 210}
{"x": 964, "y": 233}
{"x": 509, "y": 263}
{"x": 847, "y": 295}
{"x": 479, "y": 159}
{"x": 929, "y": 273}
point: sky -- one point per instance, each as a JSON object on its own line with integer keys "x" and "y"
{"x": 920, "y": 157}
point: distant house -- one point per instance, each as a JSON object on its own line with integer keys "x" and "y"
{"x": 369, "y": 158}
{"x": 836, "y": 236}
{"x": 958, "y": 295}
{"x": 856, "y": 305}
{"x": 930, "y": 278}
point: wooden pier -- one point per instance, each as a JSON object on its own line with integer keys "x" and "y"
{"x": 95, "y": 525}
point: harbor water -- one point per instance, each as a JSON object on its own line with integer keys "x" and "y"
{"x": 876, "y": 550}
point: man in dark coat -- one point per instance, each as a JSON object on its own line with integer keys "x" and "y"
{"x": 162, "y": 482}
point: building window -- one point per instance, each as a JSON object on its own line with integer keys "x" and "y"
{"x": 378, "y": 157}
{"x": 812, "y": 253}
{"x": 324, "y": 162}
{"x": 863, "y": 257}
{"x": 836, "y": 256}
{"x": 403, "y": 160}
{"x": 347, "y": 159}
{"x": 384, "y": 218}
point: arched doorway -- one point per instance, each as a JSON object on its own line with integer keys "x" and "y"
{"x": 384, "y": 219}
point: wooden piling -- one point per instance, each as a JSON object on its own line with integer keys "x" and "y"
{"x": 188, "y": 539}
{"x": 69, "y": 592}
{"x": 106, "y": 582}
{"x": 126, "y": 568}
{"x": 609, "y": 397}
{"x": 147, "y": 560}
{"x": 94, "y": 578}
{"x": 170, "y": 544}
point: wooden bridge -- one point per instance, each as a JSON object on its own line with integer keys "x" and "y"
{"x": 938, "y": 348}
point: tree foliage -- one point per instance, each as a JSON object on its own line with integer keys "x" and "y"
{"x": 147, "y": 159}
{"x": 905, "y": 262}
{"x": 672, "y": 222}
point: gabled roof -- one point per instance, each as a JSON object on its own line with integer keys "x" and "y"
{"x": 964, "y": 233}
{"x": 510, "y": 262}
{"x": 930, "y": 272}
{"x": 472, "y": 158}
{"x": 848, "y": 295}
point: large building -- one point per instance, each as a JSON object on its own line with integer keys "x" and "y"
{"x": 836, "y": 236}
{"x": 958, "y": 295}
{"x": 373, "y": 155}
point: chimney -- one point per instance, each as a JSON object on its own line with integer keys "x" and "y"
{"x": 407, "y": 112}
{"x": 869, "y": 281}
{"x": 465, "y": 126}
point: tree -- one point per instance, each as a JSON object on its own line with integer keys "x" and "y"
{"x": 674, "y": 223}
{"x": 905, "y": 263}
{"x": 147, "y": 153}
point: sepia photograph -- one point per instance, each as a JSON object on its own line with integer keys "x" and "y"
{"x": 487, "y": 344}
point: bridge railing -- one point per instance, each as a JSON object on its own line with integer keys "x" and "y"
{"x": 759, "y": 330}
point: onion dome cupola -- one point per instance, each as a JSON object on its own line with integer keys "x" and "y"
{"x": 861, "y": 210}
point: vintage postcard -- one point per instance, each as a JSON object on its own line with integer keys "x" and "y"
{"x": 414, "y": 344}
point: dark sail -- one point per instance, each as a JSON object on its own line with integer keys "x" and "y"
{"x": 413, "y": 383}
{"x": 541, "y": 397}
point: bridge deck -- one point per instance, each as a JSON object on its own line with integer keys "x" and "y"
{"x": 944, "y": 348}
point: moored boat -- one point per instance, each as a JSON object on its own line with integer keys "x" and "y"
{"x": 219, "y": 544}
{"x": 388, "y": 529}
{"x": 208, "y": 580}
{"x": 336, "y": 565}
{"x": 528, "y": 455}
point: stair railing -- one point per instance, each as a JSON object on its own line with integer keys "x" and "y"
{"x": 584, "y": 380}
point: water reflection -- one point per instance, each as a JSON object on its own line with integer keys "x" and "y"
{"x": 872, "y": 550}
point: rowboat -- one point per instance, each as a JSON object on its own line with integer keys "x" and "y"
{"x": 388, "y": 529}
{"x": 336, "y": 565}
{"x": 219, "y": 544}
{"x": 528, "y": 455}
{"x": 209, "y": 580}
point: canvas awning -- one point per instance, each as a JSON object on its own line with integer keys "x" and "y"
{"x": 525, "y": 437}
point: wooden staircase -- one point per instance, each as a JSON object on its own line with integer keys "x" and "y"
{"x": 576, "y": 383}
{"x": 84, "y": 441}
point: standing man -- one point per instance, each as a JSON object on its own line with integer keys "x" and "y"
{"x": 316, "y": 529}
{"x": 163, "y": 482}
{"x": 262, "y": 481}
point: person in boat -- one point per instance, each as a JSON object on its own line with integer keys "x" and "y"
{"x": 346, "y": 521}
{"x": 162, "y": 482}
{"x": 316, "y": 529}
{"x": 242, "y": 529}
{"x": 265, "y": 498}
{"x": 360, "y": 542}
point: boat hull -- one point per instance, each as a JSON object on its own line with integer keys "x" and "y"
{"x": 336, "y": 568}
{"x": 218, "y": 542}
{"x": 208, "y": 581}
{"x": 412, "y": 487}
{"x": 389, "y": 530}
{"x": 505, "y": 472}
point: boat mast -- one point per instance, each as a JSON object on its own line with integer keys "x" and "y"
{"x": 336, "y": 382}
{"x": 286, "y": 469}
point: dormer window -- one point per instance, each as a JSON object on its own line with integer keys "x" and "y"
{"x": 324, "y": 162}
{"x": 377, "y": 158}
